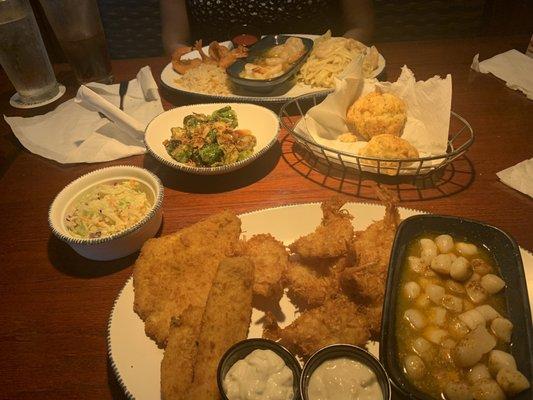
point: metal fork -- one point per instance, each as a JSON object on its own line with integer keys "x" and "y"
{"x": 122, "y": 90}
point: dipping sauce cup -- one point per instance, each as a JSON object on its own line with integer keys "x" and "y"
{"x": 242, "y": 349}
{"x": 344, "y": 351}
{"x": 244, "y": 35}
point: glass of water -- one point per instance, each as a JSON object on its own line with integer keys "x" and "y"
{"x": 78, "y": 28}
{"x": 23, "y": 55}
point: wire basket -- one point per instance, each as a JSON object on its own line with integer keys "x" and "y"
{"x": 460, "y": 138}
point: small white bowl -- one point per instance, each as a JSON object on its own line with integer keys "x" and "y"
{"x": 122, "y": 243}
{"x": 263, "y": 123}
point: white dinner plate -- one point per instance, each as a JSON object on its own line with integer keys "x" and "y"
{"x": 169, "y": 76}
{"x": 263, "y": 123}
{"x": 136, "y": 359}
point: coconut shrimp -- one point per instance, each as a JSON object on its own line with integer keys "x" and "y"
{"x": 182, "y": 66}
{"x": 225, "y": 57}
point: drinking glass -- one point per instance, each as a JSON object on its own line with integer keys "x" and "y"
{"x": 23, "y": 55}
{"x": 78, "y": 28}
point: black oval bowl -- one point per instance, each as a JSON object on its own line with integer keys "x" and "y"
{"x": 505, "y": 253}
{"x": 348, "y": 351}
{"x": 241, "y": 349}
{"x": 266, "y": 85}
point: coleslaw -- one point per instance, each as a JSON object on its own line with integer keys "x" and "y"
{"x": 107, "y": 209}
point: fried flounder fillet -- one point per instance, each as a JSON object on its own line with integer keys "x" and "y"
{"x": 175, "y": 272}
{"x": 332, "y": 237}
{"x": 338, "y": 320}
{"x": 180, "y": 354}
{"x": 270, "y": 259}
{"x": 225, "y": 321}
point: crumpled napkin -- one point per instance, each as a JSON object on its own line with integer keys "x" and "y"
{"x": 519, "y": 177}
{"x": 76, "y": 133}
{"x": 428, "y": 111}
{"x": 515, "y": 68}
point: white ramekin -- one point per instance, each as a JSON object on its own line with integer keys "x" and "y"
{"x": 122, "y": 243}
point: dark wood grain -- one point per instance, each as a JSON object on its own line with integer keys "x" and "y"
{"x": 55, "y": 304}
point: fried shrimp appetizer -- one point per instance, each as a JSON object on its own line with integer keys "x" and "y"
{"x": 332, "y": 237}
{"x": 313, "y": 281}
{"x": 365, "y": 282}
{"x": 271, "y": 259}
{"x": 219, "y": 55}
{"x": 182, "y": 66}
{"x": 338, "y": 320}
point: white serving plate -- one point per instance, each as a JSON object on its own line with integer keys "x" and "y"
{"x": 136, "y": 359}
{"x": 169, "y": 76}
{"x": 263, "y": 123}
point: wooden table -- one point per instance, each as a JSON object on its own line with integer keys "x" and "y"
{"x": 55, "y": 304}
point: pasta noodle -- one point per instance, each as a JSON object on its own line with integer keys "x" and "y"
{"x": 329, "y": 58}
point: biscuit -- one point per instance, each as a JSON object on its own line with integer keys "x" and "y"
{"x": 347, "y": 137}
{"x": 377, "y": 113}
{"x": 388, "y": 147}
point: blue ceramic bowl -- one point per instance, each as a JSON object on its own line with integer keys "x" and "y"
{"x": 266, "y": 85}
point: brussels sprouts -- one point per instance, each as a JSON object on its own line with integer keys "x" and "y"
{"x": 231, "y": 154}
{"x": 193, "y": 120}
{"x": 212, "y": 136}
{"x": 182, "y": 153}
{"x": 177, "y": 132}
{"x": 245, "y": 154}
{"x": 227, "y": 115}
{"x": 210, "y": 153}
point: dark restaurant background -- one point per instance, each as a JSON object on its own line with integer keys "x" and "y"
{"x": 133, "y": 27}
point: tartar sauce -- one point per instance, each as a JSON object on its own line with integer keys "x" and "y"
{"x": 344, "y": 379}
{"x": 261, "y": 375}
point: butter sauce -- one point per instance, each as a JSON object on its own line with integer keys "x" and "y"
{"x": 261, "y": 375}
{"x": 344, "y": 379}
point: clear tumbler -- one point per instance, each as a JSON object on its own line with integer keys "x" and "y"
{"x": 23, "y": 55}
{"x": 78, "y": 28}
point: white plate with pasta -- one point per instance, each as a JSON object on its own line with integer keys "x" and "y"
{"x": 209, "y": 82}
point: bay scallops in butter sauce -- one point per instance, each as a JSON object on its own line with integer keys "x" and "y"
{"x": 453, "y": 332}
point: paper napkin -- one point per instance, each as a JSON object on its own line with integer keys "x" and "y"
{"x": 519, "y": 177}
{"x": 76, "y": 133}
{"x": 515, "y": 68}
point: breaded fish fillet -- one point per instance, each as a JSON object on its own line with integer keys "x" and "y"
{"x": 270, "y": 259}
{"x": 332, "y": 237}
{"x": 175, "y": 272}
{"x": 180, "y": 354}
{"x": 225, "y": 321}
{"x": 338, "y": 320}
{"x": 312, "y": 281}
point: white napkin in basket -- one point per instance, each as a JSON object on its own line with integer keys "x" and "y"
{"x": 428, "y": 111}
{"x": 75, "y": 133}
